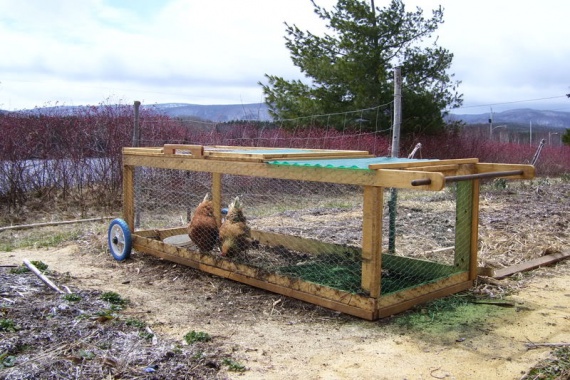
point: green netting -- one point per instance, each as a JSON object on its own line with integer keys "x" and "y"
{"x": 344, "y": 163}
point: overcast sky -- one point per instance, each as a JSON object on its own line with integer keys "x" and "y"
{"x": 508, "y": 53}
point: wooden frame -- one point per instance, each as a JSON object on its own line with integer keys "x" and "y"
{"x": 256, "y": 162}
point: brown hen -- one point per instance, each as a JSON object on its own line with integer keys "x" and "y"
{"x": 203, "y": 228}
{"x": 235, "y": 235}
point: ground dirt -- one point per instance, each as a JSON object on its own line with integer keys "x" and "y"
{"x": 276, "y": 337}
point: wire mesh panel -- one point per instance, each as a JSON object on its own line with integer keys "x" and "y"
{"x": 306, "y": 230}
{"x": 426, "y": 229}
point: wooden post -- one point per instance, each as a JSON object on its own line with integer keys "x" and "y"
{"x": 372, "y": 240}
{"x": 473, "y": 265}
{"x": 129, "y": 196}
{"x": 217, "y": 196}
{"x": 136, "y": 129}
{"x": 463, "y": 224}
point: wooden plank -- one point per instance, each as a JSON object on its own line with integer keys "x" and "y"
{"x": 528, "y": 170}
{"x": 395, "y": 308}
{"x": 315, "y": 174}
{"x": 426, "y": 292}
{"x": 531, "y": 264}
{"x": 373, "y": 206}
{"x": 402, "y": 179}
{"x": 474, "y": 230}
{"x": 353, "y": 304}
{"x": 421, "y": 163}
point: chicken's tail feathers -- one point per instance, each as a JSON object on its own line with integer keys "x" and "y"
{"x": 207, "y": 197}
{"x": 235, "y": 203}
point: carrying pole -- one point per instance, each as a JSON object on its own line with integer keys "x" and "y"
{"x": 395, "y": 153}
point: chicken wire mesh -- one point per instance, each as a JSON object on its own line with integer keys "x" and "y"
{"x": 308, "y": 230}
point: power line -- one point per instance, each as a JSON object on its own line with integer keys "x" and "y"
{"x": 515, "y": 101}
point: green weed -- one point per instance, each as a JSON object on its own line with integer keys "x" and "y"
{"x": 137, "y": 323}
{"x": 114, "y": 299}
{"x": 23, "y": 269}
{"x": 72, "y": 297}
{"x": 197, "y": 336}
{"x": 233, "y": 365}
{"x": 8, "y": 325}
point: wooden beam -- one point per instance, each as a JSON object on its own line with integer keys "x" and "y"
{"x": 373, "y": 206}
{"x": 315, "y": 174}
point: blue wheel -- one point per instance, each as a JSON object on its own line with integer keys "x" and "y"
{"x": 120, "y": 240}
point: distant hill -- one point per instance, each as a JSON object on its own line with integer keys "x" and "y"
{"x": 259, "y": 112}
{"x": 539, "y": 118}
{"x": 216, "y": 113}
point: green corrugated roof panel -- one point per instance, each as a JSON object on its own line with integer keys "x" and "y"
{"x": 344, "y": 163}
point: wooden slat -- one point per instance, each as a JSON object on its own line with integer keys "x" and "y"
{"x": 420, "y": 163}
{"x": 528, "y": 265}
{"x": 316, "y": 174}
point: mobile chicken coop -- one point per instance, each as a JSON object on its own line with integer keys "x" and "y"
{"x": 319, "y": 220}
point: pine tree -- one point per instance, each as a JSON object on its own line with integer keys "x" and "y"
{"x": 351, "y": 67}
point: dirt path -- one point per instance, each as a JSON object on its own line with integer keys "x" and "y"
{"x": 276, "y": 337}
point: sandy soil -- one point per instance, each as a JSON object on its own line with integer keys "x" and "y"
{"x": 276, "y": 337}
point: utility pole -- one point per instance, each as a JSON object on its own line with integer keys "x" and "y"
{"x": 397, "y": 112}
{"x": 491, "y": 123}
{"x": 395, "y": 153}
{"x": 530, "y": 133}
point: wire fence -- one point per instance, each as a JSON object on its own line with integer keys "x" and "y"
{"x": 310, "y": 231}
